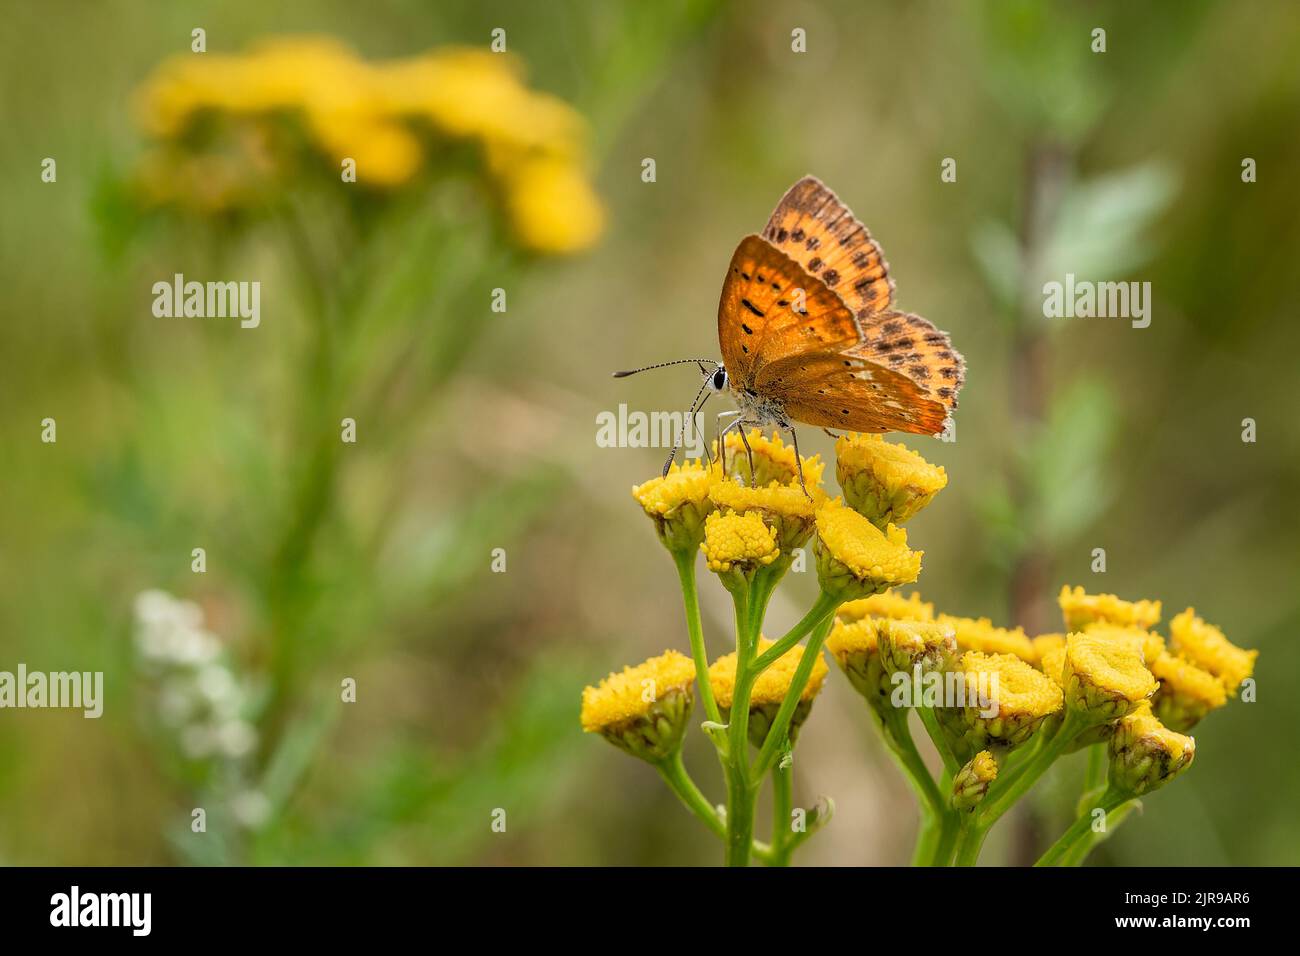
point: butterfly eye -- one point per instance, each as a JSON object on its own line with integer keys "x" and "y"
{"x": 719, "y": 380}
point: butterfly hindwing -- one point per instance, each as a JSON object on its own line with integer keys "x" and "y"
{"x": 759, "y": 317}
{"x": 911, "y": 346}
{"x": 819, "y": 232}
{"x": 851, "y": 392}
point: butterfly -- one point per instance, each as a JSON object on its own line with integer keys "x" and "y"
{"x": 809, "y": 334}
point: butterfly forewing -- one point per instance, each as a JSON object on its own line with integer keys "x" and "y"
{"x": 771, "y": 309}
{"x": 819, "y": 232}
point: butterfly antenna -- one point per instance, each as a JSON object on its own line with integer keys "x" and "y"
{"x": 696, "y": 404}
{"x": 634, "y": 371}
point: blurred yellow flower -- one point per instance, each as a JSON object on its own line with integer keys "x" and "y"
{"x": 1205, "y": 646}
{"x": 738, "y": 541}
{"x": 1081, "y": 609}
{"x": 885, "y": 482}
{"x": 387, "y": 117}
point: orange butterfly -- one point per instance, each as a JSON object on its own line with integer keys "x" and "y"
{"x": 808, "y": 334}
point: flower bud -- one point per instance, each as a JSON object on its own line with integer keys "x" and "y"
{"x": 644, "y": 710}
{"x": 885, "y": 482}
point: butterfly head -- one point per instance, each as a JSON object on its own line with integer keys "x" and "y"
{"x": 716, "y": 378}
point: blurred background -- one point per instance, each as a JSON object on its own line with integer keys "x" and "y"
{"x": 374, "y": 561}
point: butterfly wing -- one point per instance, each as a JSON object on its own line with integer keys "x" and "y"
{"x": 903, "y": 377}
{"x": 819, "y": 232}
{"x": 759, "y": 320}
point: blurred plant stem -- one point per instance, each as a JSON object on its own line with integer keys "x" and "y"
{"x": 1047, "y": 169}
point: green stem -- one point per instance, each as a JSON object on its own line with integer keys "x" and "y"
{"x": 1081, "y": 830}
{"x": 898, "y": 737}
{"x": 674, "y": 773}
{"x": 685, "y": 562}
{"x": 940, "y": 740}
{"x": 949, "y": 829}
{"x": 776, "y": 735}
{"x": 782, "y": 806}
{"x": 970, "y": 838}
{"x": 741, "y": 792}
{"x": 1079, "y": 853}
{"x": 1001, "y": 798}
{"x": 821, "y": 610}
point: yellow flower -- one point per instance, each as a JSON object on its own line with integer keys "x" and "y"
{"x": 769, "y": 689}
{"x": 891, "y": 605}
{"x": 678, "y": 504}
{"x": 979, "y": 634}
{"x": 1145, "y": 754}
{"x": 1104, "y": 678}
{"x": 738, "y": 541}
{"x": 884, "y": 481}
{"x": 1051, "y": 661}
{"x": 972, "y": 781}
{"x": 533, "y": 145}
{"x": 1047, "y": 642}
{"x": 1150, "y": 644}
{"x": 1186, "y": 692}
{"x": 1004, "y": 702}
{"x": 784, "y": 508}
{"x": 854, "y": 646}
{"x": 551, "y": 204}
{"x": 645, "y": 709}
{"x": 1081, "y": 609}
{"x": 855, "y": 558}
{"x": 1205, "y": 646}
{"x": 904, "y": 645}
{"x": 773, "y": 461}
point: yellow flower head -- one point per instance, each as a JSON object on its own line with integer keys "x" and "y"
{"x": 1005, "y": 701}
{"x": 379, "y": 115}
{"x": 891, "y": 604}
{"x": 854, "y": 646}
{"x": 1205, "y": 646}
{"x": 1046, "y": 642}
{"x": 645, "y": 709}
{"x": 855, "y": 558}
{"x": 739, "y": 542}
{"x": 904, "y": 645}
{"x": 885, "y": 481}
{"x": 1150, "y": 644}
{"x": 784, "y": 508}
{"x": 769, "y": 689}
{"x": 1104, "y": 678}
{"x": 979, "y": 634}
{"x": 1186, "y": 692}
{"x": 972, "y": 781}
{"x": 1145, "y": 754}
{"x": 773, "y": 461}
{"x": 1081, "y": 609}
{"x": 678, "y": 504}
{"x": 1051, "y": 661}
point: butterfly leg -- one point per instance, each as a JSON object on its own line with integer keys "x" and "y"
{"x": 722, "y": 448}
{"x": 798, "y": 459}
{"x": 749, "y": 452}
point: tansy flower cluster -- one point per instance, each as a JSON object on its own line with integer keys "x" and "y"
{"x": 227, "y": 128}
{"x": 999, "y": 706}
